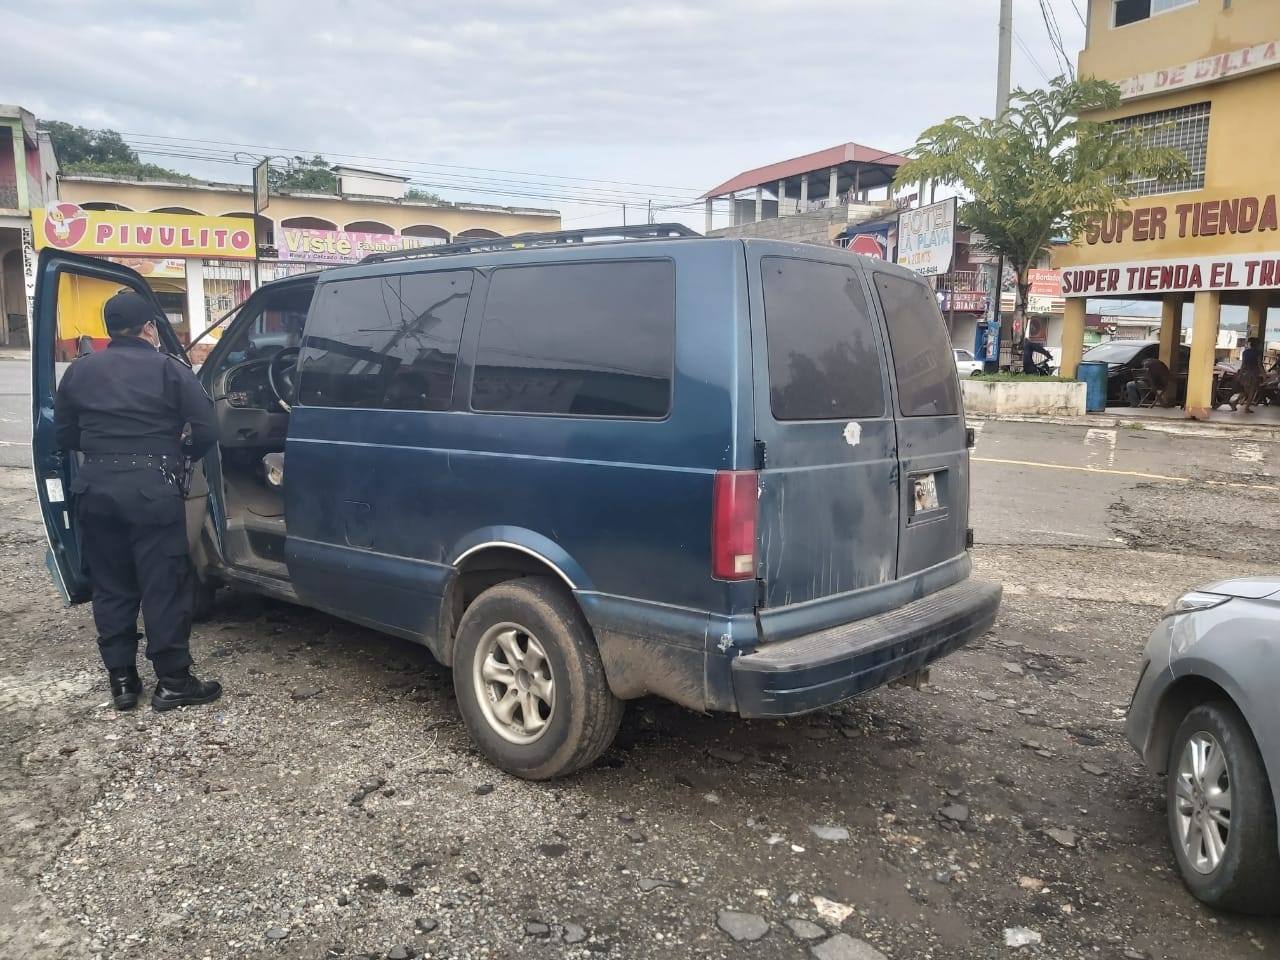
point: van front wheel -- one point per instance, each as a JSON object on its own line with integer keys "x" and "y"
{"x": 529, "y": 681}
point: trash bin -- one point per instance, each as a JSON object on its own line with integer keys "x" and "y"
{"x": 1093, "y": 374}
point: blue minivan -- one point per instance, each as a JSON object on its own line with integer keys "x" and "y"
{"x": 582, "y": 468}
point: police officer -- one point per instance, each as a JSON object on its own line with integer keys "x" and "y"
{"x": 126, "y": 407}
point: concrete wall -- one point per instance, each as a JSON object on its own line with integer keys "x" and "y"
{"x": 1026, "y": 398}
{"x": 816, "y": 226}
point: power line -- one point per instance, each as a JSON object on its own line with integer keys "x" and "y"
{"x": 444, "y": 178}
{"x": 1083, "y": 22}
{"x": 300, "y": 151}
{"x": 1022, "y": 44}
{"x": 1054, "y": 30}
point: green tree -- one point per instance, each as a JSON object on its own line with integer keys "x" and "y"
{"x": 303, "y": 176}
{"x": 102, "y": 152}
{"x": 1039, "y": 171}
{"x": 417, "y": 193}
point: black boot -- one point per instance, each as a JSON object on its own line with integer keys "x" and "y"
{"x": 125, "y": 687}
{"x": 184, "y": 690}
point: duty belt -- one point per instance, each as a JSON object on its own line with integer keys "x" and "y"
{"x": 161, "y": 460}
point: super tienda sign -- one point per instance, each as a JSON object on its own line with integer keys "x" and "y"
{"x": 67, "y": 226}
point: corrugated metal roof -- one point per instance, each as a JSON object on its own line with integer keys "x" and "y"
{"x": 809, "y": 163}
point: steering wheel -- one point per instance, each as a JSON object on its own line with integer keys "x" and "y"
{"x": 282, "y": 376}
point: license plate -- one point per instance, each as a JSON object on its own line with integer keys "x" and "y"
{"x": 925, "y": 493}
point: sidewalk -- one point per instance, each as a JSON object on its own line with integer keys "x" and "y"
{"x": 22, "y": 354}
{"x": 1262, "y": 424}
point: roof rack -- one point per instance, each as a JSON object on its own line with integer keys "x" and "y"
{"x": 646, "y": 231}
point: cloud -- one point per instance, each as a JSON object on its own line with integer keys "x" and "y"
{"x": 682, "y": 92}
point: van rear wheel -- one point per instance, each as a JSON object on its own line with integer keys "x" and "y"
{"x": 529, "y": 681}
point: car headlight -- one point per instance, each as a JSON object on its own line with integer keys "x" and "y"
{"x": 1192, "y": 602}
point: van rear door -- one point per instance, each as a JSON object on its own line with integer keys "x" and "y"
{"x": 933, "y": 509}
{"x": 826, "y": 443}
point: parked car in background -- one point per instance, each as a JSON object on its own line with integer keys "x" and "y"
{"x": 1205, "y": 712}
{"x": 732, "y": 473}
{"x": 1124, "y": 359}
{"x": 966, "y": 364}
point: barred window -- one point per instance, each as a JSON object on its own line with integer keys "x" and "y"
{"x": 1186, "y": 129}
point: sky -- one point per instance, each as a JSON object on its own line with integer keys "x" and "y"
{"x": 576, "y": 106}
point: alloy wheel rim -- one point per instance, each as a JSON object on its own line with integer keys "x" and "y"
{"x": 514, "y": 684}
{"x": 1202, "y": 802}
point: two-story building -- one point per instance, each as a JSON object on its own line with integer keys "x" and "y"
{"x": 202, "y": 249}
{"x": 1202, "y": 76}
{"x": 28, "y": 180}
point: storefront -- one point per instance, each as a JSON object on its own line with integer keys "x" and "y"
{"x": 1200, "y": 78}
{"x": 174, "y": 253}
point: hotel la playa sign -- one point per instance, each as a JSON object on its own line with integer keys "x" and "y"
{"x": 1205, "y": 70}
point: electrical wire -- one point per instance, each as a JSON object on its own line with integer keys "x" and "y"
{"x": 1026, "y": 50}
{"x": 310, "y": 151}
{"x": 1054, "y": 30}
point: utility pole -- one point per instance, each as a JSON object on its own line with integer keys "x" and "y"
{"x": 1005, "y": 56}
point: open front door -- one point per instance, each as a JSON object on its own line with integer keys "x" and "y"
{"x": 70, "y": 292}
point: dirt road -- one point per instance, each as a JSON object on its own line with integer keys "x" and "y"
{"x": 331, "y": 804}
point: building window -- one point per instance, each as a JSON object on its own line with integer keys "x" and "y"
{"x": 1131, "y": 11}
{"x": 584, "y": 339}
{"x": 1186, "y": 129}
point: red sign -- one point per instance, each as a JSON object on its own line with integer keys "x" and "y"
{"x": 1045, "y": 283}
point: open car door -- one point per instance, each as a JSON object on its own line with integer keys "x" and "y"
{"x": 67, "y": 320}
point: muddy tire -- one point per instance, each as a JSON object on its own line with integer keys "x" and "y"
{"x": 1222, "y": 821}
{"x": 529, "y": 681}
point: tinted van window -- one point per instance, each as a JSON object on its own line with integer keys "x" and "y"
{"x": 823, "y": 360}
{"x": 921, "y": 349}
{"x": 583, "y": 339}
{"x": 384, "y": 342}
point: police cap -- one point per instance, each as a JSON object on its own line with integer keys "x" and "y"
{"x": 127, "y": 311}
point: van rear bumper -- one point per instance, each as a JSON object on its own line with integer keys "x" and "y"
{"x": 816, "y": 670}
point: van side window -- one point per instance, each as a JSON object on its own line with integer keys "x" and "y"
{"x": 387, "y": 343}
{"x": 920, "y": 346}
{"x": 823, "y": 360}
{"x": 584, "y": 339}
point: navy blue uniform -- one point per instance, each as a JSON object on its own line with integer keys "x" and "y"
{"x": 125, "y": 408}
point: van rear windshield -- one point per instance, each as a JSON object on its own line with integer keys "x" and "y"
{"x": 922, "y": 357}
{"x": 823, "y": 360}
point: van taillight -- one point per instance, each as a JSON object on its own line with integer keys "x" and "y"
{"x": 733, "y": 525}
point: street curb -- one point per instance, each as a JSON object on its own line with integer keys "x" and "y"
{"x": 1184, "y": 428}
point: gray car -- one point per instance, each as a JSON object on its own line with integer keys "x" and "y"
{"x": 1206, "y": 711}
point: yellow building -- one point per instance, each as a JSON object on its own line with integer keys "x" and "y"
{"x": 196, "y": 242}
{"x": 1204, "y": 75}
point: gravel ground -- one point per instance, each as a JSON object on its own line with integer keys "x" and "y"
{"x": 331, "y": 805}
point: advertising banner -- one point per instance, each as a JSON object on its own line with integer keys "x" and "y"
{"x": 1045, "y": 283}
{"x": 67, "y": 226}
{"x": 1243, "y": 271}
{"x": 927, "y": 238}
{"x": 1206, "y": 70}
{"x": 339, "y": 246}
{"x": 169, "y": 267}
